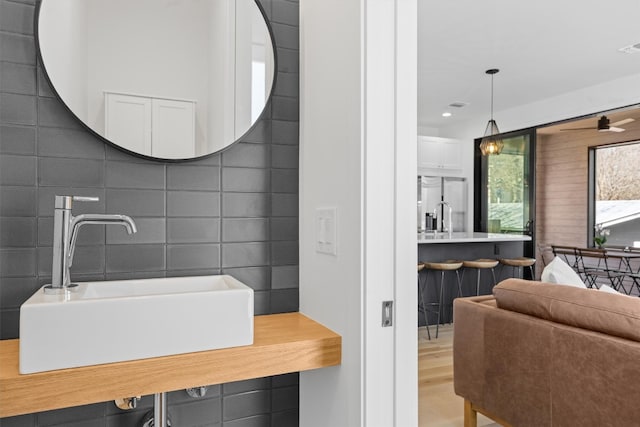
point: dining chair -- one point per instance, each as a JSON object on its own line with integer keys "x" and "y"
{"x": 628, "y": 265}
{"x": 596, "y": 265}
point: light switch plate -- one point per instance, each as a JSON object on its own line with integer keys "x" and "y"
{"x": 326, "y": 231}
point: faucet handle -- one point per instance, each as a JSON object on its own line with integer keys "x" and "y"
{"x": 85, "y": 199}
{"x": 66, "y": 202}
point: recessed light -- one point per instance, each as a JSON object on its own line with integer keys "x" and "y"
{"x": 458, "y": 104}
{"x": 446, "y": 114}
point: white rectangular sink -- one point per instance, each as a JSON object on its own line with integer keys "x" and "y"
{"x": 115, "y": 321}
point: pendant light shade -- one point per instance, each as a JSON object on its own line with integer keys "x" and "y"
{"x": 491, "y": 143}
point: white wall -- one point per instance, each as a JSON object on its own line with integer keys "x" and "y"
{"x": 589, "y": 100}
{"x": 357, "y": 149}
{"x": 331, "y": 167}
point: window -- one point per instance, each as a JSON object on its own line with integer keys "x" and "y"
{"x": 615, "y": 194}
{"x": 504, "y": 186}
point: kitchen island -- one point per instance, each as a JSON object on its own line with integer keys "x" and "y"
{"x": 441, "y": 246}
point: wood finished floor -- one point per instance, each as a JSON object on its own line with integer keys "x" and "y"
{"x": 438, "y": 405}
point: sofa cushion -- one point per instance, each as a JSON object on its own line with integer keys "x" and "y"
{"x": 617, "y": 315}
{"x": 560, "y": 273}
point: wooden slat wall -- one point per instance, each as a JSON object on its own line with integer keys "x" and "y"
{"x": 562, "y": 162}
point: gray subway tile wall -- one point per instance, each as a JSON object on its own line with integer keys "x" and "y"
{"x": 284, "y": 205}
{"x": 17, "y": 109}
{"x": 18, "y": 78}
{"x": 231, "y": 213}
{"x": 258, "y": 278}
{"x": 68, "y": 143}
{"x": 18, "y": 170}
{"x": 51, "y": 112}
{"x": 17, "y": 48}
{"x": 18, "y": 232}
{"x": 245, "y": 204}
{"x": 204, "y": 178}
{"x": 17, "y": 140}
{"x": 193, "y": 230}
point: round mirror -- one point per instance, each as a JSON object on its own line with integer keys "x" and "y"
{"x": 165, "y": 79}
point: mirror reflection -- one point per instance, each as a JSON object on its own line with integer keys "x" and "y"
{"x": 169, "y": 79}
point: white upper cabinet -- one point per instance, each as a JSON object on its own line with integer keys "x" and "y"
{"x": 173, "y": 129}
{"x": 153, "y": 126}
{"x": 439, "y": 156}
{"x": 128, "y": 119}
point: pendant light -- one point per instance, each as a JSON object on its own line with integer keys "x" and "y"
{"x": 491, "y": 143}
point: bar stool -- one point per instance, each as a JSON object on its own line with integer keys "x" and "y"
{"x": 481, "y": 264}
{"x": 518, "y": 263}
{"x": 442, "y": 267}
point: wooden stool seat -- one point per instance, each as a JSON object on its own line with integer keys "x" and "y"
{"x": 481, "y": 263}
{"x": 518, "y": 262}
{"x": 444, "y": 265}
{"x": 420, "y": 267}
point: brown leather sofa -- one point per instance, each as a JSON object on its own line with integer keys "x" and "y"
{"x": 538, "y": 354}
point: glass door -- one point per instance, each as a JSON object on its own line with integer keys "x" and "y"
{"x": 505, "y": 188}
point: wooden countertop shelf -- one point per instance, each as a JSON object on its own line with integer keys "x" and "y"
{"x": 283, "y": 343}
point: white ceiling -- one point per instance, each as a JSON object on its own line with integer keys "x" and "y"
{"x": 543, "y": 48}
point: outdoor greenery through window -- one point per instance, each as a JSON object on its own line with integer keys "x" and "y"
{"x": 617, "y": 194}
{"x": 507, "y": 187}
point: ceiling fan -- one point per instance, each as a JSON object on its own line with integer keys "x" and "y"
{"x": 605, "y": 126}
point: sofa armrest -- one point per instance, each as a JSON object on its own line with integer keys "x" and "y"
{"x": 468, "y": 346}
{"x": 501, "y": 362}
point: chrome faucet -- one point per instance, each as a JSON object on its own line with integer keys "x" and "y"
{"x": 65, "y": 234}
{"x": 449, "y": 227}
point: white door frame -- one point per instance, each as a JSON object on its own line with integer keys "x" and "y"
{"x": 358, "y": 154}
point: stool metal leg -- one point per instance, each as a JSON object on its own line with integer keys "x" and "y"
{"x": 459, "y": 294}
{"x": 493, "y": 273}
{"x": 501, "y": 272}
{"x": 449, "y": 307}
{"x": 445, "y": 308}
{"x": 424, "y": 306}
{"x": 440, "y": 301}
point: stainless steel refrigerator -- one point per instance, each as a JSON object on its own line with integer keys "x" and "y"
{"x": 434, "y": 189}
